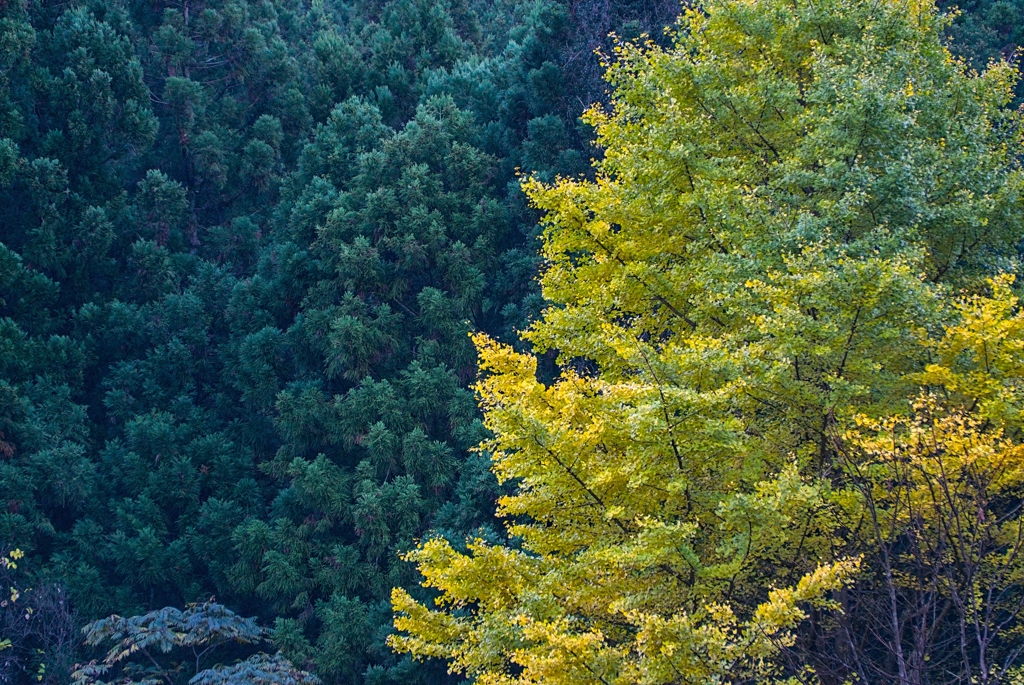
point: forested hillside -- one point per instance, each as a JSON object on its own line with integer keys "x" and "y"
{"x": 243, "y": 244}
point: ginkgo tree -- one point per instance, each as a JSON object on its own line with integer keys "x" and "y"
{"x": 750, "y": 295}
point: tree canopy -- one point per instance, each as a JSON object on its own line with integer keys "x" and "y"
{"x": 244, "y": 243}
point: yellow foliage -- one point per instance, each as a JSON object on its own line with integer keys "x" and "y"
{"x": 980, "y": 359}
{"x": 744, "y": 302}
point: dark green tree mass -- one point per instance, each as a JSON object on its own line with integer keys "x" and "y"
{"x": 242, "y": 243}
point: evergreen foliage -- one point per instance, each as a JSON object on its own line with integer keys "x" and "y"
{"x": 197, "y": 632}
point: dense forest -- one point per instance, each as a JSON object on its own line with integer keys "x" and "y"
{"x": 243, "y": 247}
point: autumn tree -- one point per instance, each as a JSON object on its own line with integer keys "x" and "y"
{"x": 938, "y": 510}
{"x": 37, "y": 626}
{"x": 791, "y": 199}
